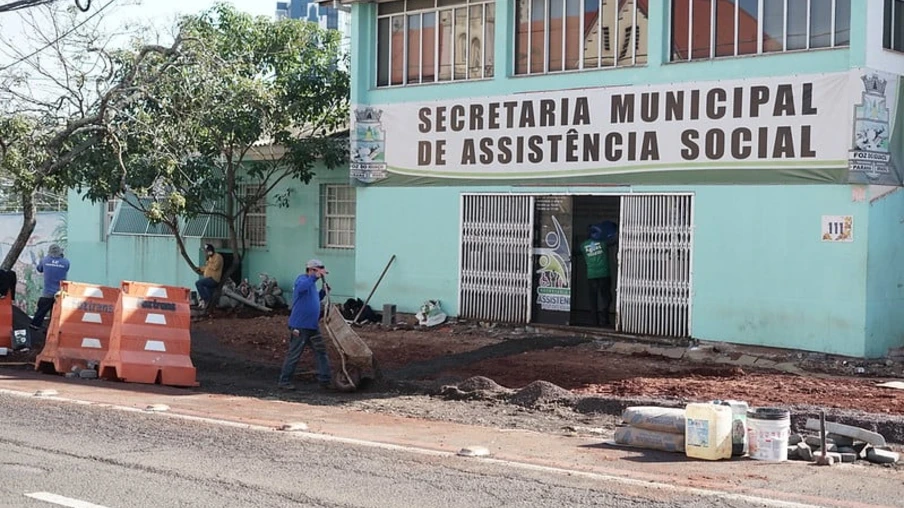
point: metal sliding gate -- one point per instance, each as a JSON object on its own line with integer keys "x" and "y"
{"x": 496, "y": 243}
{"x": 654, "y": 276}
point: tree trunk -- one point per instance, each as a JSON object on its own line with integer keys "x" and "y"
{"x": 180, "y": 242}
{"x": 28, "y": 227}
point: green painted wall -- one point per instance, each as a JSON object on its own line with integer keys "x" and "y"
{"x": 762, "y": 274}
{"x": 885, "y": 283}
{"x": 293, "y": 237}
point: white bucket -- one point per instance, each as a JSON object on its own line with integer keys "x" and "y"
{"x": 768, "y": 430}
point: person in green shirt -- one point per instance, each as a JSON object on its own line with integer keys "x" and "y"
{"x": 599, "y": 279}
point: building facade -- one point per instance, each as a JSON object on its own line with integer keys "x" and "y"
{"x": 748, "y": 152}
{"x": 113, "y": 241}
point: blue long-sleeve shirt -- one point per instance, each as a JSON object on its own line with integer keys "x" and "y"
{"x": 55, "y": 270}
{"x": 306, "y": 303}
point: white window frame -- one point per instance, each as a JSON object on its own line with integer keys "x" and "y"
{"x": 604, "y": 44}
{"x": 760, "y": 22}
{"x": 485, "y": 71}
{"x": 254, "y": 230}
{"x": 331, "y": 235}
{"x": 110, "y": 207}
{"x": 889, "y": 15}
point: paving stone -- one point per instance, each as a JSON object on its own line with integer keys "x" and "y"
{"x": 745, "y": 360}
{"x": 877, "y": 456}
{"x": 765, "y": 363}
{"x": 88, "y": 374}
{"x": 788, "y": 367}
{"x": 857, "y": 433}
{"x": 804, "y": 452}
{"x": 627, "y": 348}
{"x": 840, "y": 440}
{"x": 815, "y": 442}
{"x": 848, "y": 457}
{"x": 675, "y": 353}
{"x": 701, "y": 355}
{"x": 793, "y": 439}
{"x": 793, "y": 452}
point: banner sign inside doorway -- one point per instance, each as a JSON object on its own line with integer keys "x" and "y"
{"x": 828, "y": 127}
{"x": 552, "y": 256}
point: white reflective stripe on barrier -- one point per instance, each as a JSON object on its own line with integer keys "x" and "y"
{"x": 94, "y": 293}
{"x": 89, "y": 342}
{"x": 155, "y": 319}
{"x": 157, "y": 293}
{"x": 155, "y": 345}
{"x": 92, "y": 317}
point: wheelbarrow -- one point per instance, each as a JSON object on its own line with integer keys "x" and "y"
{"x": 357, "y": 366}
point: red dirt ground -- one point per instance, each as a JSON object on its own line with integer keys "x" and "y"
{"x": 582, "y": 368}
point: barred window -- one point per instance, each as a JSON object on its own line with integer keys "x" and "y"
{"x": 704, "y": 29}
{"x": 567, "y": 35}
{"x": 427, "y": 41}
{"x": 893, "y": 28}
{"x": 255, "y": 227}
{"x": 337, "y": 204}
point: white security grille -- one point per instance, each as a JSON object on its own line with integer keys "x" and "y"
{"x": 654, "y": 277}
{"x": 496, "y": 240}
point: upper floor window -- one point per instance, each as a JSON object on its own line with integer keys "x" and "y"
{"x": 893, "y": 30}
{"x": 703, "y": 29}
{"x": 426, "y": 41}
{"x": 566, "y": 35}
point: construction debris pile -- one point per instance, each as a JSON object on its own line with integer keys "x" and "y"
{"x": 843, "y": 443}
{"x": 725, "y": 429}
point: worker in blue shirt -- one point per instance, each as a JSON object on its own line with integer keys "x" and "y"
{"x": 304, "y": 326}
{"x": 55, "y": 268}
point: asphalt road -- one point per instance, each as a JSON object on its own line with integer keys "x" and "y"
{"x": 62, "y": 454}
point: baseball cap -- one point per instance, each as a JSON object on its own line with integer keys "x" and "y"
{"x": 314, "y": 263}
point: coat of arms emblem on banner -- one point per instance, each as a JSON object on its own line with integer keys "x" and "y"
{"x": 870, "y": 154}
{"x": 368, "y": 146}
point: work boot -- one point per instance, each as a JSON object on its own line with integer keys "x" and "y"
{"x": 286, "y": 386}
{"x": 327, "y": 386}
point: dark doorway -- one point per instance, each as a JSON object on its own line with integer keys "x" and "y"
{"x": 587, "y": 211}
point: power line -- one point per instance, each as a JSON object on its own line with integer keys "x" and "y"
{"x": 61, "y": 37}
{"x": 23, "y": 4}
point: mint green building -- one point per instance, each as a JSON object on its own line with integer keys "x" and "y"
{"x": 112, "y": 242}
{"x": 749, "y": 153}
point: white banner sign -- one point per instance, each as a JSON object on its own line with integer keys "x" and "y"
{"x": 792, "y": 121}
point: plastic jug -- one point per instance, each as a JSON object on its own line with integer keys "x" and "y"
{"x": 707, "y": 433}
{"x": 738, "y": 425}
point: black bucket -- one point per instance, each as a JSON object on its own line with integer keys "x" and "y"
{"x": 769, "y": 413}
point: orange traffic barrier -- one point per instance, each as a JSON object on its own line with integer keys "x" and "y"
{"x": 151, "y": 338}
{"x": 80, "y": 326}
{"x": 6, "y": 321}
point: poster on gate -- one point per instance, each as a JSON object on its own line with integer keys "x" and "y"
{"x": 552, "y": 259}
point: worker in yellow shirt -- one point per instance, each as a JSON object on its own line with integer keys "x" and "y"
{"x": 211, "y": 274}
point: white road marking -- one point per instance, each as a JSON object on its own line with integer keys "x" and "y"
{"x": 47, "y": 497}
{"x": 710, "y": 493}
